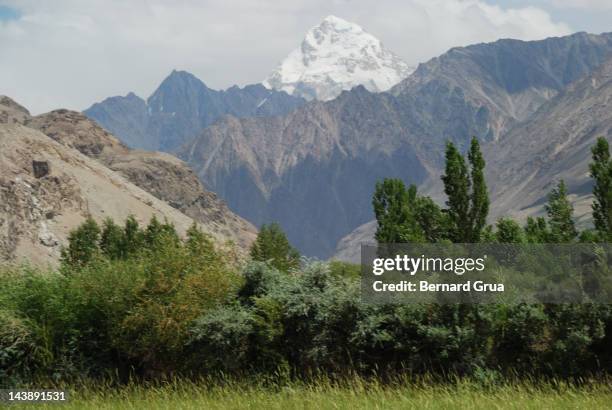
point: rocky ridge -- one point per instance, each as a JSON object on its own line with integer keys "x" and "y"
{"x": 180, "y": 108}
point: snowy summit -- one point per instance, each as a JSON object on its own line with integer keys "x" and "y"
{"x": 337, "y": 55}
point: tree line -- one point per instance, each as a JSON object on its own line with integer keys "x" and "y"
{"x": 404, "y": 216}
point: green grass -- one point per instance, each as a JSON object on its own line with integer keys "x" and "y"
{"x": 357, "y": 394}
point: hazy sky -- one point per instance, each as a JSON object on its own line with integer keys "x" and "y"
{"x": 71, "y": 53}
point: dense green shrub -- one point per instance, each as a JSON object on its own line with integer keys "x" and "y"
{"x": 112, "y": 312}
{"x": 315, "y": 321}
{"x": 148, "y": 317}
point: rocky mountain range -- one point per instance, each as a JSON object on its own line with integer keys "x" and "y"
{"x": 60, "y": 167}
{"x": 555, "y": 143}
{"x": 314, "y": 169}
{"x": 526, "y": 161}
{"x": 334, "y": 56}
{"x": 180, "y": 108}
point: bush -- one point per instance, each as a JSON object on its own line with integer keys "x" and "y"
{"x": 176, "y": 306}
{"x": 109, "y": 314}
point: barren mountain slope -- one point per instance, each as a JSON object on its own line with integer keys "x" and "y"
{"x": 47, "y": 189}
{"x": 314, "y": 170}
{"x": 486, "y": 89}
{"x": 554, "y": 144}
{"x": 525, "y": 164}
{"x": 162, "y": 175}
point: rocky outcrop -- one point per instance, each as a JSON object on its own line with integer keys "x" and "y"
{"x": 162, "y": 175}
{"x": 11, "y": 112}
{"x": 37, "y": 213}
{"x": 75, "y": 130}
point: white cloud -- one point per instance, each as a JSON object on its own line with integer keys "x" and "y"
{"x": 582, "y": 4}
{"x": 70, "y": 53}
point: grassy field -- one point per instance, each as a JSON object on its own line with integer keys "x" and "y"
{"x": 354, "y": 395}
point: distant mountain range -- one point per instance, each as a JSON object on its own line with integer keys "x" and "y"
{"x": 335, "y": 56}
{"x": 314, "y": 170}
{"x": 180, "y": 108}
{"x": 312, "y": 166}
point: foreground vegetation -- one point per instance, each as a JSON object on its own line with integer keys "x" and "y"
{"x": 143, "y": 307}
{"x": 180, "y": 311}
{"x": 354, "y": 394}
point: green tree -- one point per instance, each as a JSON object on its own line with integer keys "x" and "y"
{"x": 536, "y": 230}
{"x": 199, "y": 244}
{"x": 508, "y": 231}
{"x": 560, "y": 213}
{"x": 112, "y": 240}
{"x": 153, "y": 232}
{"x": 83, "y": 244}
{"x": 157, "y": 234}
{"x": 431, "y": 219}
{"x": 457, "y": 189}
{"x": 479, "y": 196}
{"x": 395, "y": 213}
{"x": 273, "y": 247}
{"x": 601, "y": 172}
{"x": 133, "y": 235}
{"x": 468, "y": 200}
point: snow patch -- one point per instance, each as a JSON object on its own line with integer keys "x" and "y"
{"x": 334, "y": 56}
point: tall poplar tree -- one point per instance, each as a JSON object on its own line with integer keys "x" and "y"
{"x": 479, "y": 207}
{"x": 457, "y": 189}
{"x": 468, "y": 200}
{"x": 601, "y": 172}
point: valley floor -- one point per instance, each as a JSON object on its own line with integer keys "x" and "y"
{"x": 355, "y": 395}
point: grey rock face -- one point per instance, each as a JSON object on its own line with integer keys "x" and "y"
{"x": 180, "y": 108}
{"x": 553, "y": 144}
{"x": 486, "y": 89}
{"x": 314, "y": 170}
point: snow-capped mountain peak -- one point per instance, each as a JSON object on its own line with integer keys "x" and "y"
{"x": 337, "y": 55}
